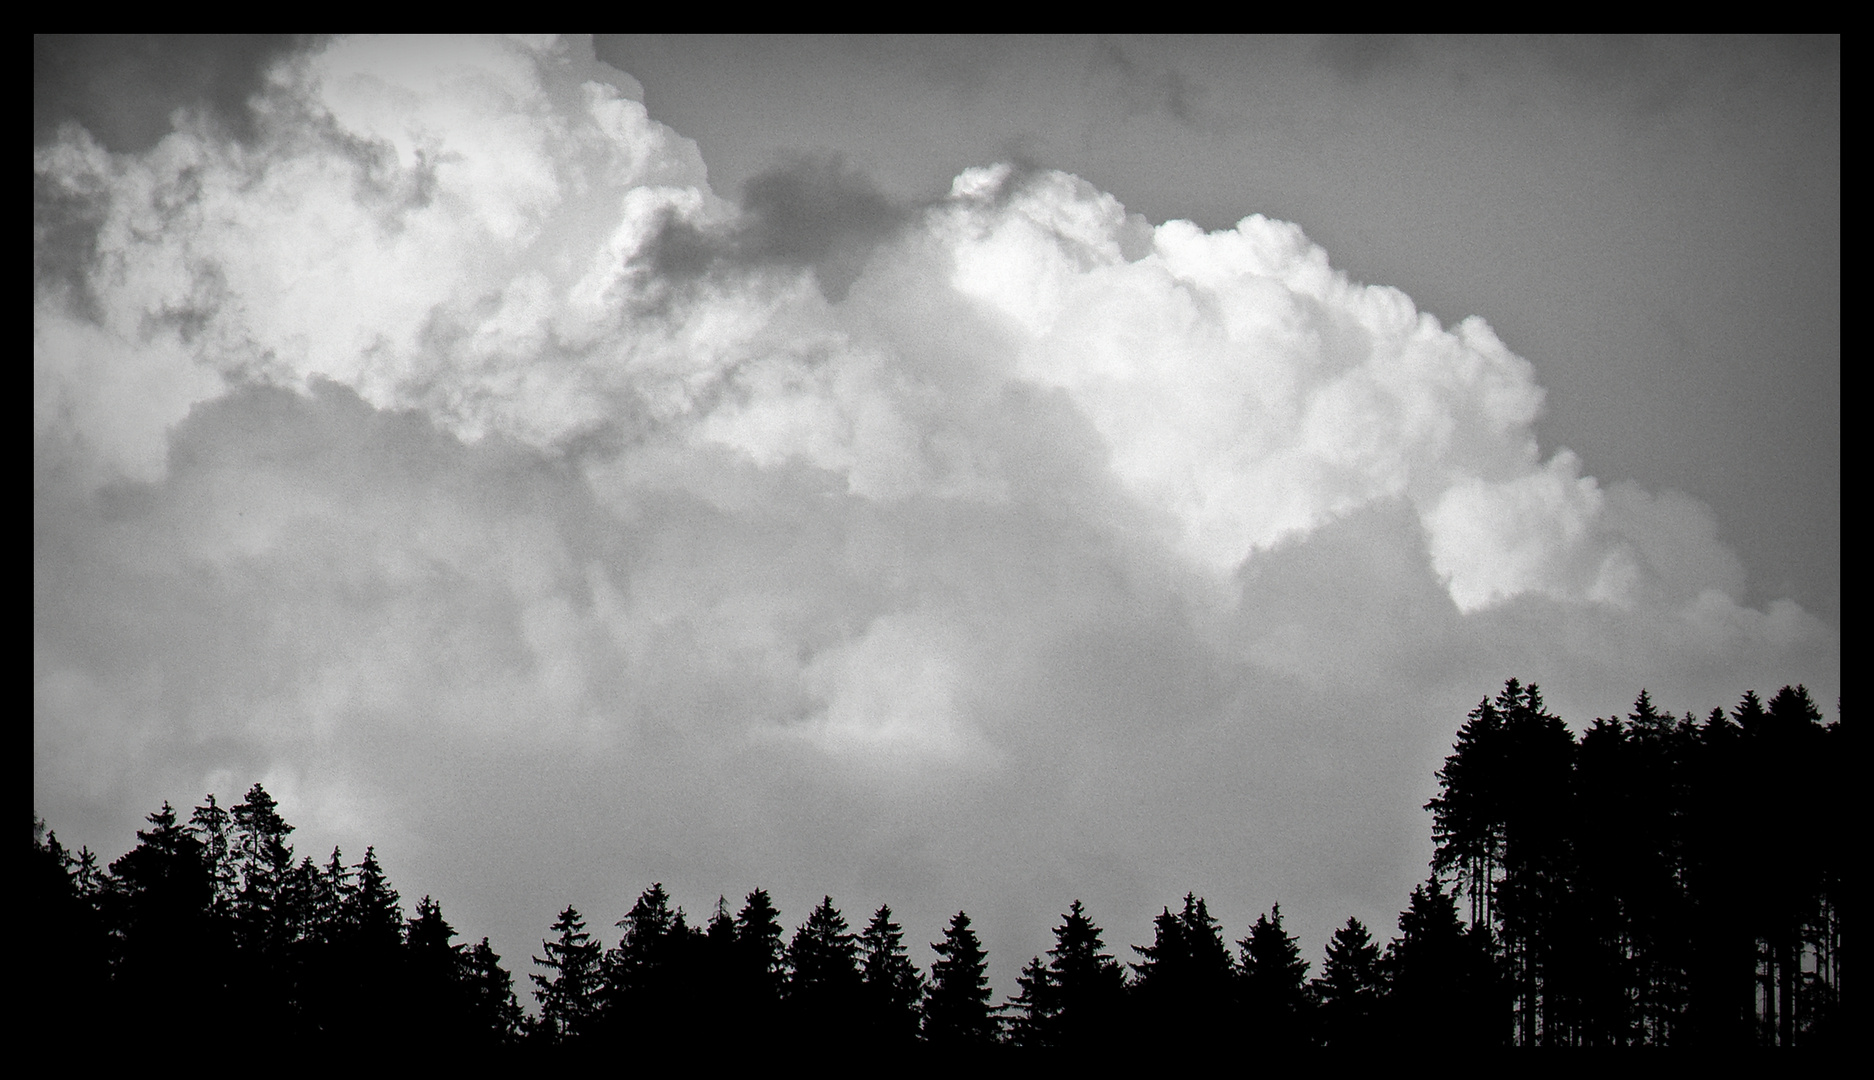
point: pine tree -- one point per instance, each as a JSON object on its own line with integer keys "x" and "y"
{"x": 264, "y": 859}
{"x": 1035, "y": 1008}
{"x": 569, "y": 996}
{"x": 163, "y": 886}
{"x": 1749, "y": 716}
{"x": 1275, "y": 990}
{"x": 494, "y": 1016}
{"x": 893, "y": 986}
{"x": 716, "y": 955}
{"x": 1535, "y": 919}
{"x": 1611, "y": 838}
{"x": 65, "y": 944}
{"x": 823, "y": 965}
{"x": 1186, "y": 983}
{"x": 754, "y": 991}
{"x": 1350, "y": 988}
{"x": 1468, "y": 811}
{"x": 332, "y": 899}
{"x": 436, "y": 1014}
{"x": 1443, "y": 987}
{"x": 213, "y": 826}
{"x": 651, "y": 979}
{"x": 351, "y": 959}
{"x": 1089, "y": 984}
{"x": 758, "y": 939}
{"x": 1071, "y": 1002}
{"x": 1789, "y": 751}
{"x": 428, "y": 936}
{"x": 956, "y": 1012}
{"x": 653, "y": 931}
{"x": 374, "y": 918}
{"x": 159, "y": 907}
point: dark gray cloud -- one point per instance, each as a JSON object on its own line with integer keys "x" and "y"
{"x": 1158, "y": 88}
{"x": 123, "y": 88}
{"x": 1355, "y": 57}
{"x": 807, "y": 211}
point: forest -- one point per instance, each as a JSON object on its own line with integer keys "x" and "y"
{"x": 1656, "y": 881}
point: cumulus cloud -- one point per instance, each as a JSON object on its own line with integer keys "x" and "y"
{"x": 447, "y": 439}
{"x": 460, "y": 227}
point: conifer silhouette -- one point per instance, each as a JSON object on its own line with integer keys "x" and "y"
{"x": 569, "y": 996}
{"x": 893, "y": 986}
{"x": 1620, "y": 893}
{"x": 956, "y": 1011}
{"x": 1274, "y": 985}
{"x": 1349, "y": 989}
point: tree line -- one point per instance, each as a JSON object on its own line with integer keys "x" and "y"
{"x": 1657, "y": 881}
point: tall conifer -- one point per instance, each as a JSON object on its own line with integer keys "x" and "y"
{"x": 569, "y": 995}
{"x": 956, "y": 1012}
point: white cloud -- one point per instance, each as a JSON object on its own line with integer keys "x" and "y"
{"x": 461, "y": 226}
{"x": 897, "y": 693}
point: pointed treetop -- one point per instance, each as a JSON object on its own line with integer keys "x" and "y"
{"x": 893, "y": 986}
{"x": 824, "y": 953}
{"x": 957, "y": 1011}
{"x": 569, "y": 996}
{"x": 1749, "y": 713}
{"x": 758, "y": 936}
{"x": 1647, "y": 720}
{"x": 1270, "y": 954}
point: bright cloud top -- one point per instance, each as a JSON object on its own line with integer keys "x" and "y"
{"x": 464, "y": 227}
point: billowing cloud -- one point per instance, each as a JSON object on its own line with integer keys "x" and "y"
{"x": 446, "y": 447}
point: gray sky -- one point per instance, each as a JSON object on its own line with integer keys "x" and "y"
{"x": 762, "y": 486}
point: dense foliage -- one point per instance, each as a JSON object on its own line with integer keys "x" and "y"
{"x": 1656, "y": 881}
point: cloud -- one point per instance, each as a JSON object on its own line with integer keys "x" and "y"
{"x": 1358, "y": 57}
{"x": 123, "y": 88}
{"x": 1167, "y": 91}
{"x": 448, "y": 448}
{"x": 434, "y": 225}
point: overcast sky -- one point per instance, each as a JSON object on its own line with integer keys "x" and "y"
{"x": 958, "y": 474}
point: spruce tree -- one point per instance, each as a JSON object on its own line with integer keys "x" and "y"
{"x": 651, "y": 978}
{"x": 893, "y": 986}
{"x": 65, "y": 943}
{"x": 822, "y": 960}
{"x": 956, "y": 1012}
{"x": 1468, "y": 811}
{"x": 758, "y": 940}
{"x": 264, "y": 859}
{"x": 1186, "y": 983}
{"x": 1071, "y": 1001}
{"x": 569, "y": 995}
{"x": 1349, "y": 989}
{"x": 1087, "y": 985}
{"x": 333, "y": 899}
{"x": 1035, "y": 1008}
{"x": 1789, "y": 752}
{"x": 753, "y": 994}
{"x": 159, "y": 907}
{"x": 213, "y": 827}
{"x": 654, "y": 932}
{"x": 163, "y": 887}
{"x": 716, "y": 956}
{"x": 375, "y": 918}
{"x": 1275, "y": 990}
{"x": 1443, "y": 988}
{"x": 494, "y": 1016}
{"x": 1536, "y": 921}
{"x": 435, "y": 1014}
